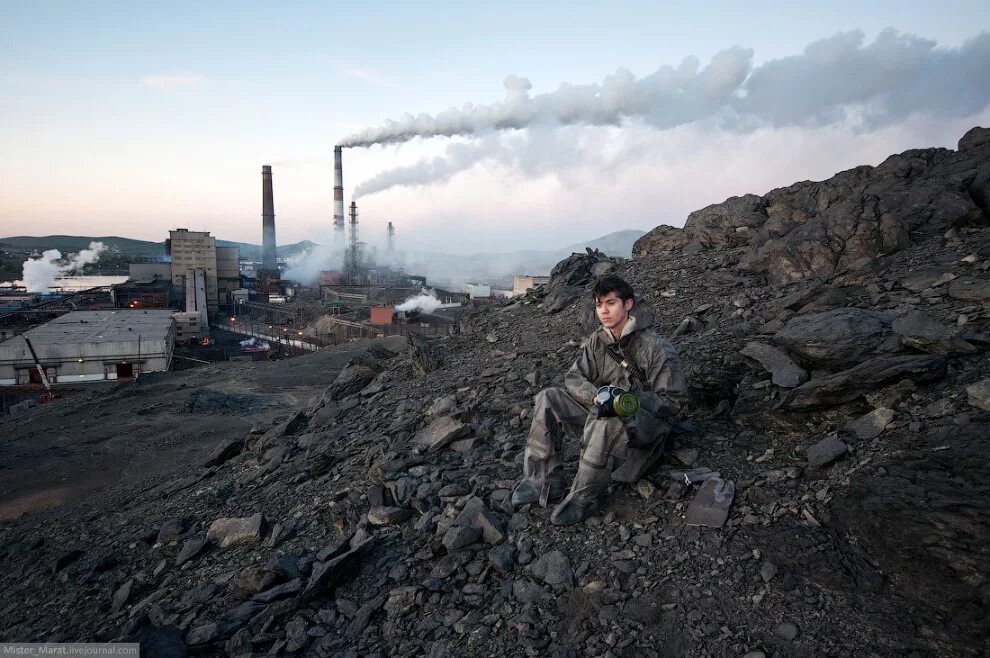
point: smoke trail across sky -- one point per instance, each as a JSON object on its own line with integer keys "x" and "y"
{"x": 836, "y": 80}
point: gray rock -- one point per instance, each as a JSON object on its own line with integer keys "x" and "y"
{"x": 865, "y": 378}
{"x": 978, "y": 395}
{"x": 839, "y": 338}
{"x": 553, "y": 568}
{"x": 787, "y": 631}
{"x": 825, "y": 451}
{"x": 287, "y": 589}
{"x": 336, "y": 562}
{"x": 425, "y": 353}
{"x": 66, "y": 558}
{"x": 356, "y": 375}
{"x": 173, "y": 530}
{"x": 891, "y": 396}
{"x": 21, "y": 407}
{"x": 871, "y": 425}
{"x": 526, "y": 591}
{"x": 926, "y": 277}
{"x": 689, "y": 325}
{"x": 388, "y": 515}
{"x": 160, "y": 642}
{"x": 203, "y": 634}
{"x": 363, "y": 616}
{"x": 559, "y": 299}
{"x": 784, "y": 371}
{"x": 921, "y": 332}
{"x": 400, "y": 601}
{"x": 768, "y": 570}
{"x": 477, "y": 514}
{"x": 970, "y": 289}
{"x": 236, "y": 531}
{"x": 459, "y": 536}
{"x": 224, "y": 451}
{"x": 190, "y": 549}
{"x": 122, "y": 596}
{"x": 440, "y": 433}
{"x": 829, "y": 300}
{"x": 442, "y": 406}
{"x": 503, "y": 558}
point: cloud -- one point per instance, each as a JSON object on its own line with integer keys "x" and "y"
{"x": 174, "y": 81}
{"x": 365, "y": 74}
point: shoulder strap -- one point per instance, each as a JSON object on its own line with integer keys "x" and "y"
{"x": 636, "y": 374}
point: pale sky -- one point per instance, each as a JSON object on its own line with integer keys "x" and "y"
{"x": 132, "y": 118}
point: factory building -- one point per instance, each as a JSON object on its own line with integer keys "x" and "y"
{"x": 477, "y": 290}
{"x": 228, "y": 273}
{"x": 191, "y": 251}
{"x": 522, "y": 282}
{"x": 85, "y": 346}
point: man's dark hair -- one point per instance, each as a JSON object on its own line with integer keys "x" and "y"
{"x": 607, "y": 284}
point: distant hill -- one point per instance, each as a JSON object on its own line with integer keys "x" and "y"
{"x": 500, "y": 266}
{"x": 129, "y": 247}
{"x": 253, "y": 251}
{"x": 73, "y": 243}
{"x": 619, "y": 243}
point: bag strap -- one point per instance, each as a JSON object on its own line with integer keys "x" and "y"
{"x": 636, "y": 374}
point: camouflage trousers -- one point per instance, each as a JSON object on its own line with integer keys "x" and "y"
{"x": 605, "y": 453}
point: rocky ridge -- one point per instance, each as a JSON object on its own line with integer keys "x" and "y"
{"x": 848, "y": 408}
{"x": 811, "y": 229}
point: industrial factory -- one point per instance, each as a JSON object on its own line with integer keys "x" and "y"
{"x": 207, "y": 301}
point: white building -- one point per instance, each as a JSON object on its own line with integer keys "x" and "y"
{"x": 477, "y": 290}
{"x": 85, "y": 346}
{"x": 523, "y": 282}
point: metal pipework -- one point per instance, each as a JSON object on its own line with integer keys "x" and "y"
{"x": 267, "y": 220}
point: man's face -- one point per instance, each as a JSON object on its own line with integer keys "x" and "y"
{"x": 612, "y": 311}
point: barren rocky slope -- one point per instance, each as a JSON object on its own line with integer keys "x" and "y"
{"x": 850, "y": 406}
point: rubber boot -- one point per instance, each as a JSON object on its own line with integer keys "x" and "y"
{"x": 531, "y": 490}
{"x": 579, "y": 505}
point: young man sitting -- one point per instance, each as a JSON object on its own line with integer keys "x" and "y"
{"x": 622, "y": 393}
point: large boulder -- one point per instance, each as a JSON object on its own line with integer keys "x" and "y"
{"x": 357, "y": 374}
{"x": 569, "y": 278}
{"x": 839, "y": 338}
{"x": 810, "y": 229}
{"x": 921, "y": 332}
{"x": 865, "y": 378}
{"x": 784, "y": 372}
{"x": 660, "y": 240}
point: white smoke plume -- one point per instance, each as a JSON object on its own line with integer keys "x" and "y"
{"x": 459, "y": 157}
{"x": 424, "y": 303}
{"x": 40, "y": 273}
{"x": 254, "y": 342}
{"x": 306, "y": 266}
{"x": 834, "y": 80}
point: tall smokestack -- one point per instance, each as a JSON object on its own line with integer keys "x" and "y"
{"x": 267, "y": 220}
{"x": 338, "y": 192}
{"x": 390, "y": 238}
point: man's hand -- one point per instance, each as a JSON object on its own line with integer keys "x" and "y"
{"x": 636, "y": 438}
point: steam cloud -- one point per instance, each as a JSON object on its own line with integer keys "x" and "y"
{"x": 424, "y": 303}
{"x": 835, "y": 80}
{"x": 40, "y": 273}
